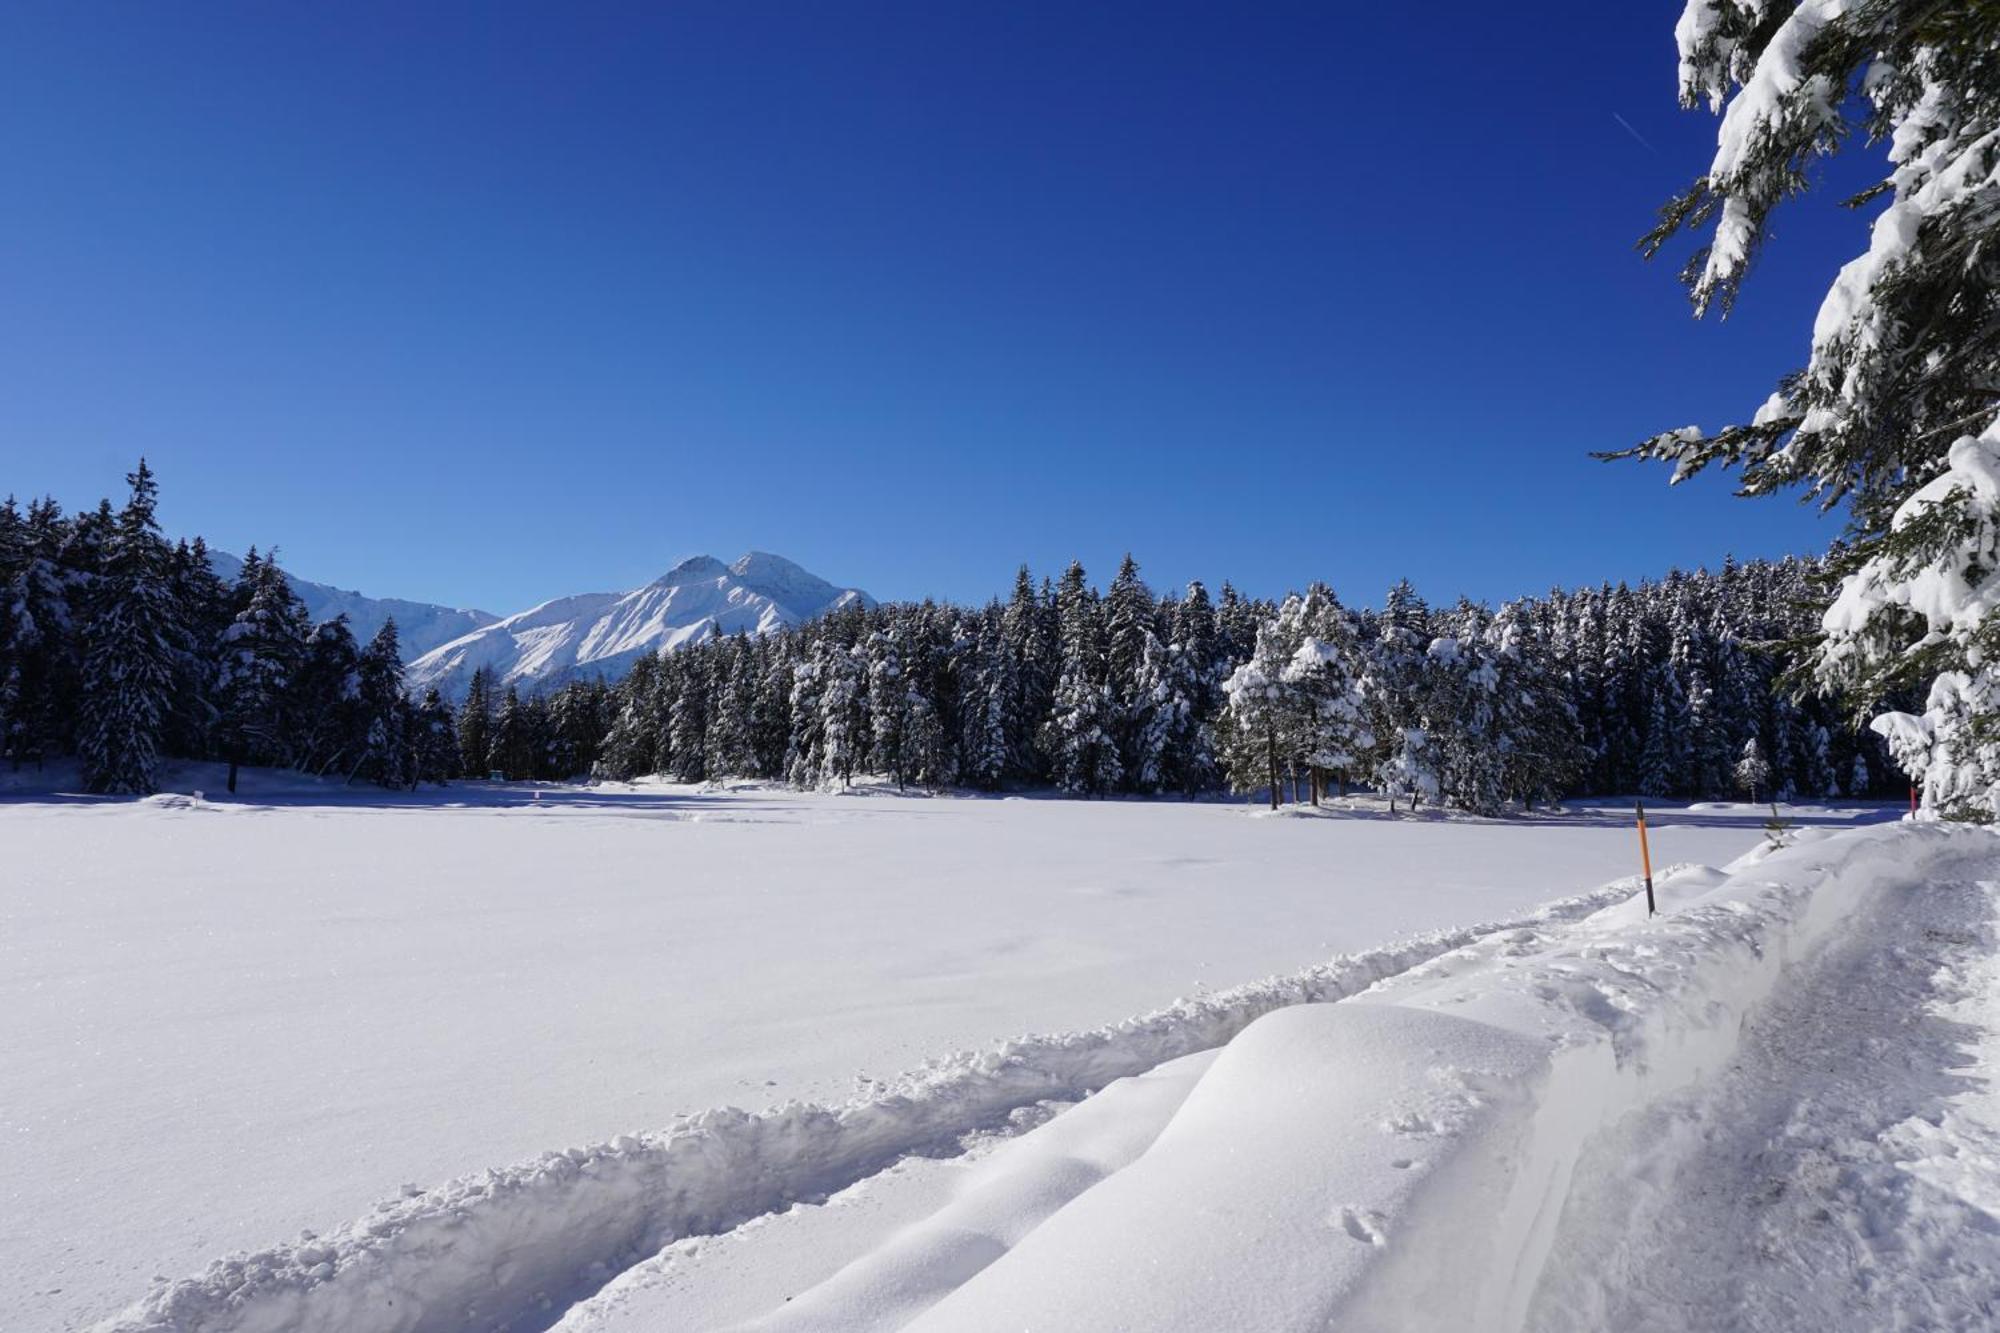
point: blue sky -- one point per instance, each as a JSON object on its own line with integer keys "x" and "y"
{"x": 485, "y": 304}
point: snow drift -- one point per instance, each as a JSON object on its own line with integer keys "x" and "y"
{"x": 510, "y": 1249}
{"x": 1400, "y": 1161}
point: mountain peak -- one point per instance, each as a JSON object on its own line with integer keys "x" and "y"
{"x": 694, "y": 567}
{"x": 603, "y": 634}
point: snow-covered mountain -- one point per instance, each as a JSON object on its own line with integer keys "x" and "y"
{"x": 603, "y": 633}
{"x": 420, "y": 626}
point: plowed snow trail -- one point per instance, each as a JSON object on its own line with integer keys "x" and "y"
{"x": 1843, "y": 1173}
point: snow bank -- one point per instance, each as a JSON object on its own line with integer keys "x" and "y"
{"x": 512, "y": 1248}
{"x": 1400, "y": 1161}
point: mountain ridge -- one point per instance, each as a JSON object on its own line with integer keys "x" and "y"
{"x": 603, "y": 633}
{"x": 420, "y": 626}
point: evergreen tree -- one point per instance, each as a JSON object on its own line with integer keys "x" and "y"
{"x": 513, "y": 749}
{"x": 1079, "y": 735}
{"x": 387, "y": 752}
{"x": 434, "y": 739}
{"x": 132, "y": 647}
{"x": 329, "y": 726}
{"x": 1752, "y": 771}
{"x": 258, "y": 659}
{"x": 475, "y": 725}
{"x": 1894, "y": 412}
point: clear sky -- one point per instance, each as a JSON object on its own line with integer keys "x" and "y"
{"x": 484, "y": 304}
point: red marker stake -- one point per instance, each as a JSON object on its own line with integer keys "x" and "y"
{"x": 1645, "y": 856}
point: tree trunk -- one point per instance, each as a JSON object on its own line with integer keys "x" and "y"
{"x": 1271, "y": 761}
{"x": 232, "y": 772}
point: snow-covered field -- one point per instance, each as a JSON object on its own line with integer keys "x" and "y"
{"x": 225, "y": 1022}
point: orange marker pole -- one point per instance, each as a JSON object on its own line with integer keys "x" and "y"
{"x": 1645, "y": 856}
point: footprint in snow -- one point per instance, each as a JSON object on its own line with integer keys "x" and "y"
{"x": 1364, "y": 1225}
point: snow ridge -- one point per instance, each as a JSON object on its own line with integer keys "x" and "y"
{"x": 1439, "y": 1121}
{"x": 512, "y": 1248}
{"x": 604, "y": 633}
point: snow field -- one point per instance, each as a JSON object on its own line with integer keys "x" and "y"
{"x": 500, "y": 1249}
{"x": 232, "y": 1022}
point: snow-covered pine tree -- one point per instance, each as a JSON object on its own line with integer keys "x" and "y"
{"x": 843, "y": 712}
{"x": 435, "y": 739}
{"x": 475, "y": 725}
{"x": 1325, "y": 677}
{"x": 1752, "y": 770}
{"x": 513, "y": 745}
{"x": 771, "y": 730}
{"x": 1079, "y": 737}
{"x": 805, "y": 755}
{"x": 386, "y": 754}
{"x": 133, "y": 644}
{"x": 1895, "y": 412}
{"x": 202, "y": 605}
{"x": 1540, "y": 746}
{"x": 257, "y": 659}
{"x": 1130, "y": 615}
{"x": 626, "y": 751}
{"x": 732, "y": 721}
{"x": 1257, "y": 711}
{"x": 987, "y": 718}
{"x": 888, "y": 710}
{"x": 329, "y": 728}
{"x": 1196, "y": 670}
{"x": 688, "y": 723}
{"x": 1028, "y": 638}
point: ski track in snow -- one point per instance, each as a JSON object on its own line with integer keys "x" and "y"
{"x": 514, "y": 1249}
{"x": 1843, "y": 1173}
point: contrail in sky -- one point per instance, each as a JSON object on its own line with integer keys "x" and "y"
{"x": 1635, "y": 134}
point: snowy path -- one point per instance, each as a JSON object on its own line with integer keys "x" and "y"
{"x": 1843, "y": 1174}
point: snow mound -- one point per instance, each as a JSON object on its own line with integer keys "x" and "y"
{"x": 1335, "y": 1160}
{"x": 514, "y": 1247}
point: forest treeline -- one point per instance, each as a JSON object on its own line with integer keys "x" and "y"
{"x": 122, "y": 649}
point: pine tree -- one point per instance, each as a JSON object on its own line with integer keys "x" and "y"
{"x": 475, "y": 724}
{"x": 387, "y": 752}
{"x": 1752, "y": 771}
{"x": 1326, "y": 691}
{"x": 1130, "y": 616}
{"x": 202, "y": 606}
{"x": 842, "y": 714}
{"x": 688, "y": 724}
{"x": 1195, "y": 672}
{"x": 1252, "y": 734}
{"x": 132, "y": 647}
{"x": 1029, "y": 641}
{"x": 1078, "y": 736}
{"x": 434, "y": 739}
{"x": 1894, "y": 413}
{"x": 888, "y": 710}
{"x": 329, "y": 727}
{"x": 513, "y": 741}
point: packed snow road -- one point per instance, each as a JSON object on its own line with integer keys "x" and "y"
{"x": 225, "y": 1022}
{"x": 1842, "y": 1174}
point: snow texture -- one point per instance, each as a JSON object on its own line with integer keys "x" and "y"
{"x": 1601, "y": 1101}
